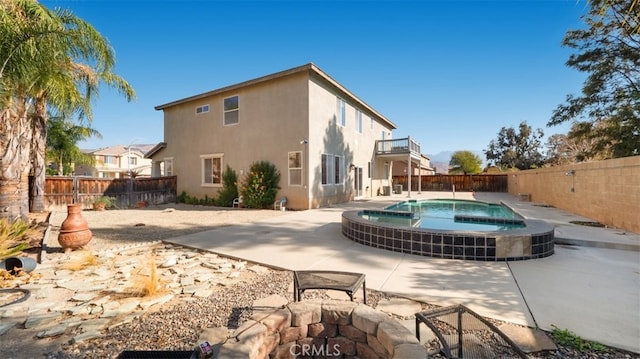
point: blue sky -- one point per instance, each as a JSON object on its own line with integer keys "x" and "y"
{"x": 450, "y": 74}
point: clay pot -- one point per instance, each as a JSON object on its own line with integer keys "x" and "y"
{"x": 74, "y": 230}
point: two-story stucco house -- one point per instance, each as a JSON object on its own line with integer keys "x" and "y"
{"x": 328, "y": 144}
{"x": 117, "y": 162}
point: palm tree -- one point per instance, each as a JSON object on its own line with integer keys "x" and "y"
{"x": 62, "y": 138}
{"x": 50, "y": 60}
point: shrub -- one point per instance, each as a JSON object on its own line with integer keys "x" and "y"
{"x": 229, "y": 190}
{"x": 260, "y": 187}
{"x": 14, "y": 236}
{"x": 570, "y": 340}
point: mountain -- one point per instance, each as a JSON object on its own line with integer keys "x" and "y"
{"x": 440, "y": 161}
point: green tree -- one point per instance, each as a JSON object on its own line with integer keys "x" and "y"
{"x": 50, "y": 60}
{"x": 62, "y": 143}
{"x": 229, "y": 190}
{"x": 261, "y": 185}
{"x": 608, "y": 50}
{"x": 465, "y": 162}
{"x": 516, "y": 149}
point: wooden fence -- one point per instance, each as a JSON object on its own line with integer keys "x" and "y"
{"x": 60, "y": 191}
{"x": 478, "y": 183}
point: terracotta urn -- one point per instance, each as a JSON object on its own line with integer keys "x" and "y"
{"x": 74, "y": 230}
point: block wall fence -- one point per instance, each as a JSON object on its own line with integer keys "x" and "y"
{"x": 606, "y": 191}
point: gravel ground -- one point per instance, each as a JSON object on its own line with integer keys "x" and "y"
{"x": 177, "y": 327}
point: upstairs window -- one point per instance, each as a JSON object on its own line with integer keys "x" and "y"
{"x": 133, "y": 161}
{"x": 341, "y": 112}
{"x": 109, "y": 159}
{"x": 231, "y": 110}
{"x": 202, "y": 109}
{"x": 359, "y": 121}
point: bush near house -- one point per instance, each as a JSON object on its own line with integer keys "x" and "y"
{"x": 261, "y": 185}
{"x": 187, "y": 199}
{"x": 229, "y": 190}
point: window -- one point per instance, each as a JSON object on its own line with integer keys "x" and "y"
{"x": 133, "y": 161}
{"x": 338, "y": 171}
{"x": 371, "y": 123}
{"x": 231, "y": 110}
{"x": 109, "y": 159}
{"x": 211, "y": 170}
{"x": 295, "y": 168}
{"x": 368, "y": 169}
{"x": 326, "y": 162}
{"x": 332, "y": 169}
{"x": 202, "y": 109}
{"x": 341, "y": 114}
{"x": 359, "y": 121}
{"x": 168, "y": 167}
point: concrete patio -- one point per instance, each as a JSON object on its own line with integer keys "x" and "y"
{"x": 591, "y": 285}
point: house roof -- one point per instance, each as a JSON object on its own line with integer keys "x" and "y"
{"x": 119, "y": 150}
{"x": 310, "y": 67}
{"x": 155, "y": 149}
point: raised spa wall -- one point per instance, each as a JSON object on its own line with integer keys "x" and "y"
{"x": 534, "y": 240}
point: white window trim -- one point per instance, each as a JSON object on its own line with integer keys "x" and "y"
{"x": 164, "y": 169}
{"x": 358, "y": 121}
{"x": 210, "y": 156}
{"x": 341, "y": 178}
{"x": 341, "y": 109}
{"x": 202, "y": 108}
{"x": 330, "y": 173}
{"x": 301, "y": 168}
{"x": 224, "y": 112}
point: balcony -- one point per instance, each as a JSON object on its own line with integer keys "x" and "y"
{"x": 397, "y": 147}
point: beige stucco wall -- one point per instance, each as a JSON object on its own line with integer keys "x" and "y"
{"x": 274, "y": 117}
{"x": 605, "y": 191}
{"x": 272, "y": 121}
{"x": 327, "y": 136}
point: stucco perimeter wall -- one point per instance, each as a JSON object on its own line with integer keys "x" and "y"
{"x": 605, "y": 191}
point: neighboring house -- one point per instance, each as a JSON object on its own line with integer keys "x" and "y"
{"x": 117, "y": 162}
{"x": 328, "y": 144}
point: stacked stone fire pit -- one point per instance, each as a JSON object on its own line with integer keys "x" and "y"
{"x": 315, "y": 328}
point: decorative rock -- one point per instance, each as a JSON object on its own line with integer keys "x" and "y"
{"x": 203, "y": 292}
{"x": 39, "y": 319}
{"x": 258, "y": 269}
{"x": 275, "y": 321}
{"x": 392, "y": 333}
{"x": 86, "y": 336}
{"x": 5, "y": 326}
{"x": 305, "y": 313}
{"x": 53, "y": 331}
{"x": 365, "y": 352}
{"x": 352, "y": 333}
{"x": 401, "y": 307}
{"x": 376, "y": 346}
{"x": 337, "y": 312}
{"x": 472, "y": 345}
{"x": 404, "y": 351}
{"x": 269, "y": 303}
{"x": 528, "y": 340}
{"x": 322, "y": 330}
{"x": 367, "y": 319}
{"x": 169, "y": 262}
{"x": 341, "y": 346}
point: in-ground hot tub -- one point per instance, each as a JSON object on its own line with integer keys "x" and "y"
{"x": 470, "y": 230}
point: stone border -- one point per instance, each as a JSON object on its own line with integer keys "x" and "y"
{"x": 325, "y": 328}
